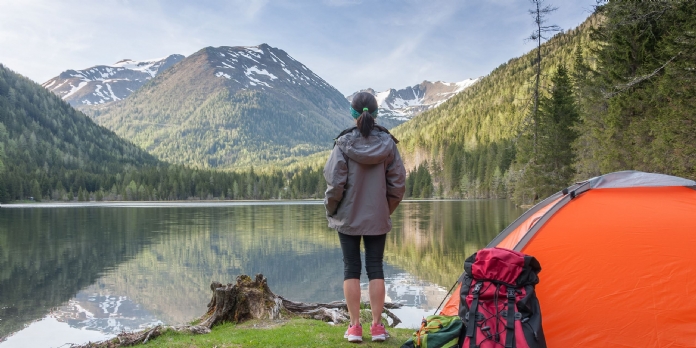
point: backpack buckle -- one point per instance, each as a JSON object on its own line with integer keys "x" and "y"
{"x": 511, "y": 293}
{"x": 477, "y": 288}
{"x": 478, "y": 316}
{"x": 518, "y": 315}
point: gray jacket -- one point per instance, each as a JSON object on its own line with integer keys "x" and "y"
{"x": 366, "y": 182}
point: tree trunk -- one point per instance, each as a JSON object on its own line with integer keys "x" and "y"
{"x": 242, "y": 301}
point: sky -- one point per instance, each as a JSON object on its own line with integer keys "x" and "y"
{"x": 352, "y": 44}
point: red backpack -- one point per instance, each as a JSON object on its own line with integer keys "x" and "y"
{"x": 494, "y": 281}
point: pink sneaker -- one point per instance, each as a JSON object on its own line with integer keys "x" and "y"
{"x": 354, "y": 333}
{"x": 378, "y": 332}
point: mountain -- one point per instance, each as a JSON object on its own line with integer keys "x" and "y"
{"x": 45, "y": 143}
{"x": 103, "y": 84}
{"x": 231, "y": 107}
{"x": 399, "y": 106}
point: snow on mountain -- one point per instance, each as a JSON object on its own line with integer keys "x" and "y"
{"x": 401, "y": 105}
{"x": 262, "y": 67}
{"x": 103, "y": 84}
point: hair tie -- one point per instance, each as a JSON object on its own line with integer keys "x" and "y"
{"x": 357, "y": 114}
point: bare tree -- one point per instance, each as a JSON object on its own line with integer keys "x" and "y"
{"x": 539, "y": 13}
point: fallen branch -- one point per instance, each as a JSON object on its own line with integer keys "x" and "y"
{"x": 126, "y": 339}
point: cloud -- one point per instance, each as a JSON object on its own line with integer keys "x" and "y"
{"x": 254, "y": 7}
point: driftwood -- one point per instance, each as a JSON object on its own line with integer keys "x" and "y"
{"x": 126, "y": 339}
{"x": 253, "y": 299}
{"x": 335, "y": 312}
{"x": 245, "y": 300}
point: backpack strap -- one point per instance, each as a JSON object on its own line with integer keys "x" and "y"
{"x": 378, "y": 127}
{"x": 344, "y": 132}
{"x": 471, "y": 322}
{"x": 396, "y": 141}
{"x": 510, "y": 324}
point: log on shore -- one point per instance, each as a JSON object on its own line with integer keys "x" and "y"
{"x": 127, "y": 339}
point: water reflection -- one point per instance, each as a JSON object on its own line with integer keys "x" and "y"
{"x": 108, "y": 268}
{"x": 48, "y": 255}
{"x": 104, "y": 312}
{"x": 433, "y": 239}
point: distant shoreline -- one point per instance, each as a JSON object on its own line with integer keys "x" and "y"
{"x": 185, "y": 204}
{"x": 159, "y": 204}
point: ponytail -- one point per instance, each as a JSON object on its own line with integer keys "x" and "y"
{"x": 365, "y": 118}
{"x": 366, "y": 123}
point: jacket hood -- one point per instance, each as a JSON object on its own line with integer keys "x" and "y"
{"x": 371, "y": 150}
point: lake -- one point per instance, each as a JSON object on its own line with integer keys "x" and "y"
{"x": 81, "y": 272}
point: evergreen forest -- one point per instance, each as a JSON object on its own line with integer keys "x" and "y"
{"x": 616, "y": 93}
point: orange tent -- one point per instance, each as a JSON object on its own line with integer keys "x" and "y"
{"x": 618, "y": 258}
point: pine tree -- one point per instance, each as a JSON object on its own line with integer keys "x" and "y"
{"x": 4, "y": 195}
{"x": 539, "y": 13}
{"x": 550, "y": 169}
{"x": 643, "y": 107}
{"x": 558, "y": 117}
{"x": 36, "y": 190}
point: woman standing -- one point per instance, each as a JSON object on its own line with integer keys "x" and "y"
{"x": 365, "y": 178}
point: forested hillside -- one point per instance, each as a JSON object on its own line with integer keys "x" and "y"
{"x": 45, "y": 143}
{"x": 628, "y": 72}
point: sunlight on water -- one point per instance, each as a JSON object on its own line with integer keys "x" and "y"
{"x": 70, "y": 274}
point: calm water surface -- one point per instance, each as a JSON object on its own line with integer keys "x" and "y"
{"x": 84, "y": 272}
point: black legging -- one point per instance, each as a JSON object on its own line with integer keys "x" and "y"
{"x": 374, "y": 253}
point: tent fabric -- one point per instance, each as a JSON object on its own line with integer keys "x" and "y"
{"x": 451, "y": 307}
{"x": 514, "y": 236}
{"x": 632, "y": 178}
{"x": 618, "y": 263}
{"x": 619, "y": 269}
{"x": 511, "y": 236}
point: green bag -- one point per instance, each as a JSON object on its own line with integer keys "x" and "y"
{"x": 436, "y": 331}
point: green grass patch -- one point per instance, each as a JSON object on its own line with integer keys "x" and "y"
{"x": 291, "y": 333}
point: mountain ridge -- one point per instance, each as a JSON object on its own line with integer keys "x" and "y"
{"x": 400, "y": 105}
{"x": 103, "y": 84}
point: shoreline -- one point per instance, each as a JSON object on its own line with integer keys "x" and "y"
{"x": 159, "y": 204}
{"x": 194, "y": 203}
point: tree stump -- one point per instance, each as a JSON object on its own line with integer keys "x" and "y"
{"x": 249, "y": 299}
{"x": 242, "y": 301}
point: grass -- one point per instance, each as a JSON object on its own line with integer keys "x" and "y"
{"x": 291, "y": 333}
